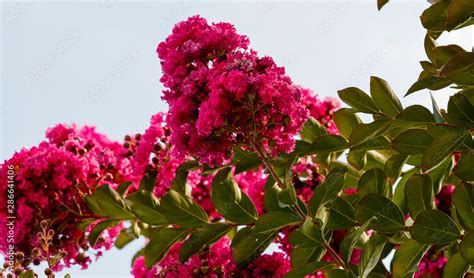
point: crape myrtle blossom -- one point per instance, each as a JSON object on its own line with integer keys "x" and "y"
{"x": 221, "y": 94}
{"x": 50, "y": 182}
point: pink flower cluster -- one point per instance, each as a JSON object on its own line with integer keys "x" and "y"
{"x": 321, "y": 109}
{"x": 216, "y": 261}
{"x": 50, "y": 181}
{"x": 221, "y": 94}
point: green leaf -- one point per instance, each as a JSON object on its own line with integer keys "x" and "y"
{"x": 202, "y": 237}
{"x": 145, "y": 206}
{"x": 389, "y": 218}
{"x": 467, "y": 248}
{"x": 434, "y": 226}
{"x": 357, "y": 159}
{"x": 373, "y": 181}
{"x": 399, "y": 194}
{"x": 365, "y": 132}
{"x": 99, "y": 228}
{"x": 123, "y": 187}
{"x": 371, "y": 254}
{"x": 160, "y": 243}
{"x": 358, "y": 100}
{"x": 407, "y": 257}
{"x": 328, "y": 190}
{"x": 412, "y": 141}
{"x": 245, "y": 161}
{"x": 181, "y": 210}
{"x": 27, "y": 274}
{"x": 381, "y": 3}
{"x": 107, "y": 202}
{"x": 301, "y": 256}
{"x": 251, "y": 246}
{"x": 440, "y": 173}
{"x": 394, "y": 165}
{"x": 465, "y": 167}
{"x": 307, "y": 235}
{"x": 456, "y": 266}
{"x": 442, "y": 147}
{"x": 230, "y": 201}
{"x": 419, "y": 194}
{"x": 148, "y": 181}
{"x": 179, "y": 183}
{"x": 463, "y": 200}
{"x": 429, "y": 82}
{"x": 460, "y": 111}
{"x": 311, "y": 130}
{"x": 125, "y": 236}
{"x": 434, "y": 17}
{"x": 308, "y": 269}
{"x": 328, "y": 143}
{"x": 348, "y": 244}
{"x": 377, "y": 143}
{"x": 341, "y": 215}
{"x": 273, "y": 221}
{"x": 436, "y": 111}
{"x": 384, "y": 97}
{"x": 414, "y": 116}
{"x": 339, "y": 273}
{"x": 459, "y": 12}
{"x": 345, "y": 120}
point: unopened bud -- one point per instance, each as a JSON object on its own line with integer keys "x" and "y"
{"x": 48, "y": 271}
{"x": 44, "y": 224}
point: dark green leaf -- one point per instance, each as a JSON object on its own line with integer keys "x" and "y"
{"x": 307, "y": 235}
{"x": 429, "y": 82}
{"x": 377, "y": 143}
{"x": 348, "y": 244}
{"x": 328, "y": 143}
{"x": 465, "y": 167}
{"x": 179, "y": 183}
{"x": 373, "y": 181}
{"x": 245, "y": 161}
{"x": 107, "y": 202}
{"x": 145, "y": 206}
{"x": 467, "y": 248}
{"x": 202, "y": 237}
{"x": 99, "y": 228}
{"x": 365, "y": 132}
{"x": 311, "y": 130}
{"x": 161, "y": 242}
{"x": 460, "y": 111}
{"x": 414, "y": 116}
{"x": 434, "y": 18}
{"x": 341, "y": 215}
{"x": 371, "y": 254}
{"x": 399, "y": 194}
{"x": 381, "y": 3}
{"x": 407, "y": 257}
{"x": 148, "y": 181}
{"x": 456, "y": 266}
{"x": 308, "y": 269}
{"x": 125, "y": 236}
{"x": 412, "y": 142}
{"x": 459, "y": 12}
{"x": 384, "y": 97}
{"x": 357, "y": 159}
{"x": 394, "y": 165}
{"x": 345, "y": 120}
{"x": 435, "y": 227}
{"x": 463, "y": 200}
{"x": 123, "y": 187}
{"x": 442, "y": 147}
{"x": 419, "y": 194}
{"x": 440, "y": 173}
{"x": 339, "y": 273}
{"x": 389, "y": 218}
{"x": 328, "y": 190}
{"x": 251, "y": 246}
{"x": 230, "y": 201}
{"x": 273, "y": 221}
{"x": 358, "y": 100}
{"x": 181, "y": 210}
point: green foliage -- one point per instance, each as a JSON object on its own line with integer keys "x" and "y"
{"x": 435, "y": 227}
{"x": 161, "y": 242}
{"x": 181, "y": 210}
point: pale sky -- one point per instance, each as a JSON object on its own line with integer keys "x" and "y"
{"x": 94, "y": 62}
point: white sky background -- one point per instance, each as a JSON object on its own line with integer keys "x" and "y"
{"x": 95, "y": 63}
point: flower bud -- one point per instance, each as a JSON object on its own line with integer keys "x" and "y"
{"x": 48, "y": 271}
